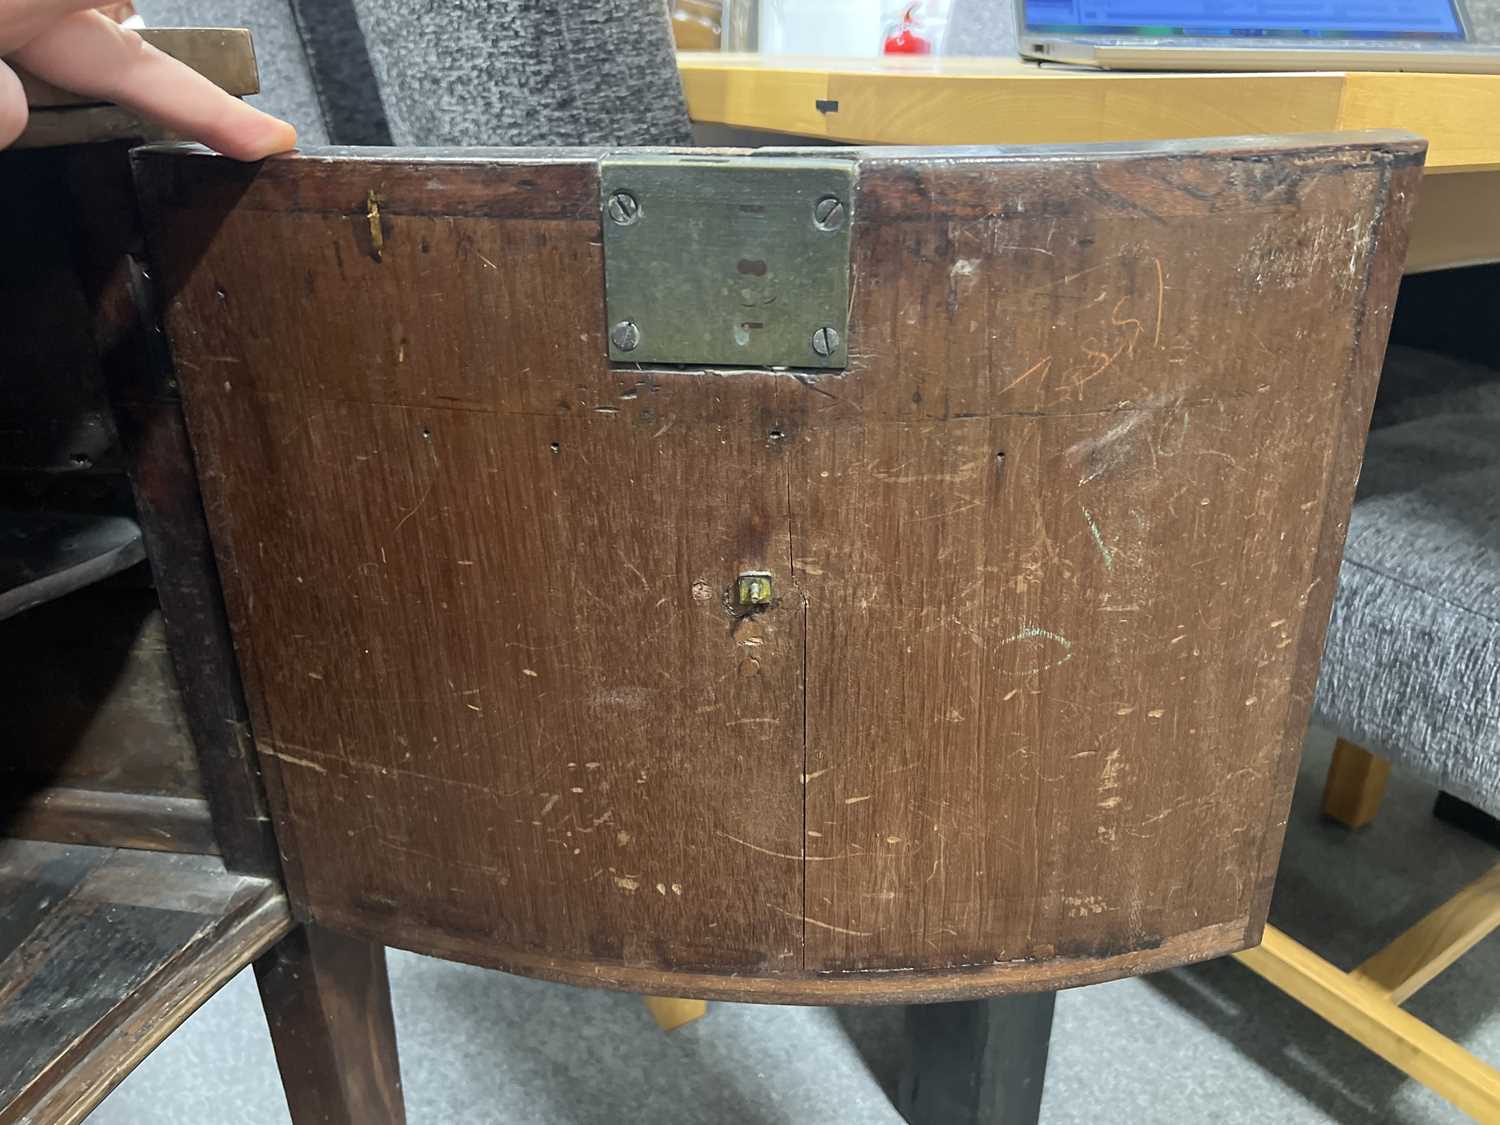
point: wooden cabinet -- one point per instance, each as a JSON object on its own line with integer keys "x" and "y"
{"x": 1051, "y": 557}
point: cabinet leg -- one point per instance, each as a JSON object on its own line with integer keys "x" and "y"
{"x": 979, "y": 1062}
{"x": 328, "y": 1004}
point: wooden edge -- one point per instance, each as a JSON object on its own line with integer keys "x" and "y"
{"x": 51, "y": 128}
{"x": 1005, "y": 100}
{"x": 70, "y": 552}
{"x": 190, "y": 979}
{"x": 102, "y": 818}
{"x": 1456, "y": 223}
{"x": 671, "y": 1012}
{"x": 1345, "y": 442}
{"x": 1377, "y": 1022}
{"x": 223, "y": 55}
{"x": 1434, "y": 943}
{"x": 879, "y": 986}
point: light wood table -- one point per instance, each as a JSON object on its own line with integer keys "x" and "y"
{"x": 1007, "y": 101}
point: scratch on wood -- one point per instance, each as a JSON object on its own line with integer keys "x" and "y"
{"x": 782, "y": 855}
{"x": 821, "y": 925}
{"x": 1161, "y": 292}
{"x": 1042, "y": 365}
{"x": 1034, "y": 632}
{"x": 266, "y": 743}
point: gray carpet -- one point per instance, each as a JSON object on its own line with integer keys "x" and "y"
{"x": 1207, "y": 1043}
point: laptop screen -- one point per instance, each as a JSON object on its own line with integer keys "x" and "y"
{"x": 1315, "y": 19}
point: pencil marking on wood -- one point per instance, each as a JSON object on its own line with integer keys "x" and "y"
{"x": 1104, "y": 551}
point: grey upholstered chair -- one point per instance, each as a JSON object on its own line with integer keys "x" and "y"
{"x": 1411, "y": 670}
{"x": 458, "y": 72}
{"x": 1411, "y": 676}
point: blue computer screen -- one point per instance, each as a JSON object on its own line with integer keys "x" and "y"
{"x": 1344, "y": 19}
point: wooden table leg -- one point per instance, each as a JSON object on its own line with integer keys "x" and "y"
{"x": 980, "y": 1062}
{"x": 328, "y": 1003}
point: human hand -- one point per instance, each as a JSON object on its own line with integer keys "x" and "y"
{"x": 68, "y": 44}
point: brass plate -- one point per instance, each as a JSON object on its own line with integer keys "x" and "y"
{"x": 733, "y": 261}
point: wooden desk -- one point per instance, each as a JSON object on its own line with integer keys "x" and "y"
{"x": 1007, "y": 101}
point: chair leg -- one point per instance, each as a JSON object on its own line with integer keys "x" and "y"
{"x": 976, "y": 1062}
{"x": 328, "y": 1004}
{"x": 1438, "y": 940}
{"x": 671, "y": 1013}
{"x": 1364, "y": 1012}
{"x": 1355, "y": 785}
{"x": 1462, "y": 815}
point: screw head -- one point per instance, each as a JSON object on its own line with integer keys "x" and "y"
{"x": 825, "y": 341}
{"x": 625, "y": 336}
{"x": 623, "y": 208}
{"x": 828, "y": 213}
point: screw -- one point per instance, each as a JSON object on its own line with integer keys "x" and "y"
{"x": 828, "y": 213}
{"x": 751, "y": 591}
{"x": 623, "y": 208}
{"x": 825, "y": 341}
{"x": 625, "y": 336}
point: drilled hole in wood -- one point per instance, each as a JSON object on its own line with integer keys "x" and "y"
{"x": 556, "y": 447}
{"x": 1000, "y": 463}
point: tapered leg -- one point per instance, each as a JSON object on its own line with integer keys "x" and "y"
{"x": 979, "y": 1062}
{"x": 1355, "y": 785}
{"x": 328, "y": 1003}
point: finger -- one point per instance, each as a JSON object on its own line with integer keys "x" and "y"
{"x": 13, "y": 111}
{"x": 90, "y": 55}
{"x": 23, "y": 20}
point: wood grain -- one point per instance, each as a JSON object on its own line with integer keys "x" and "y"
{"x": 1047, "y": 558}
{"x": 328, "y": 1004}
{"x": 102, "y": 954}
{"x": 113, "y": 819}
{"x": 1010, "y": 101}
{"x": 93, "y": 699}
{"x": 1454, "y": 225}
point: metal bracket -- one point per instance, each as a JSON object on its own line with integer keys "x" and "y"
{"x": 738, "y": 261}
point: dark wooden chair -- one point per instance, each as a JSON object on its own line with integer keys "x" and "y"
{"x": 628, "y": 596}
{"x": 819, "y": 577}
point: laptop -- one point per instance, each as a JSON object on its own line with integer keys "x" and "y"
{"x": 1425, "y": 35}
